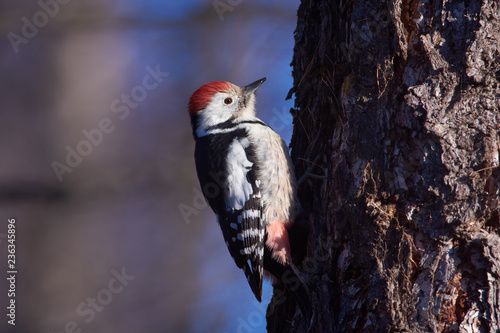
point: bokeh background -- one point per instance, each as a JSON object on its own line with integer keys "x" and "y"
{"x": 130, "y": 207}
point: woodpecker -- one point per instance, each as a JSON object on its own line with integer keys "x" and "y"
{"x": 248, "y": 179}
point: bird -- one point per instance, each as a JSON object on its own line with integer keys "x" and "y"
{"x": 248, "y": 179}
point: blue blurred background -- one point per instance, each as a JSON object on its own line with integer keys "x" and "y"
{"x": 117, "y": 239}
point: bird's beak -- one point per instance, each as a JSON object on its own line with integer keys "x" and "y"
{"x": 247, "y": 90}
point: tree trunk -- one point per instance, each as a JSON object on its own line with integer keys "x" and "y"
{"x": 397, "y": 108}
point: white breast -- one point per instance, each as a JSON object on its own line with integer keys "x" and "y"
{"x": 276, "y": 174}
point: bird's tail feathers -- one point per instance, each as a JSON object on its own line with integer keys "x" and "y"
{"x": 254, "y": 278}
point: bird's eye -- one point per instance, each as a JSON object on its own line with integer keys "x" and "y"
{"x": 228, "y": 100}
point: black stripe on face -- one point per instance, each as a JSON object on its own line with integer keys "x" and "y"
{"x": 231, "y": 123}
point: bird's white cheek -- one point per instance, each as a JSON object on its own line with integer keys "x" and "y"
{"x": 212, "y": 116}
{"x": 246, "y": 112}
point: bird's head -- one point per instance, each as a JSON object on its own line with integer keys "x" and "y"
{"x": 217, "y": 102}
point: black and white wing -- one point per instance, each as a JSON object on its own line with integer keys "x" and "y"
{"x": 229, "y": 182}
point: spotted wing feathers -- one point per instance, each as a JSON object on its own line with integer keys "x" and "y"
{"x": 236, "y": 200}
{"x": 245, "y": 238}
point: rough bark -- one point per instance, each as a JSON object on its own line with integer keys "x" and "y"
{"x": 397, "y": 106}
